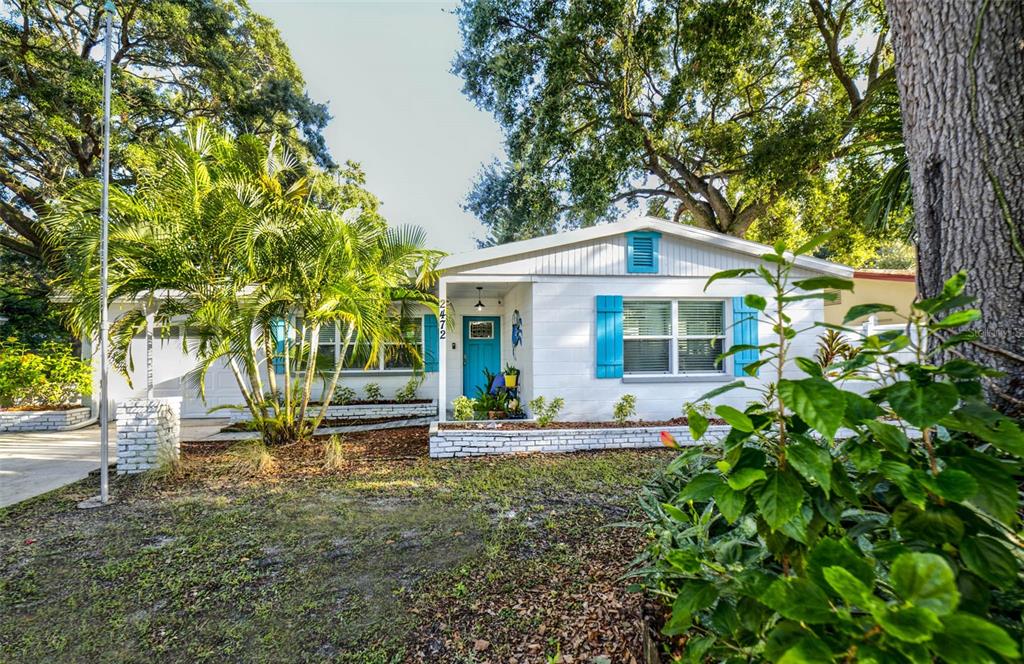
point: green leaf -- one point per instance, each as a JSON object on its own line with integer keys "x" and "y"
{"x": 720, "y": 390}
{"x": 926, "y": 580}
{"x": 755, "y": 301}
{"x": 849, "y": 587}
{"x": 958, "y": 318}
{"x": 977, "y": 630}
{"x": 904, "y": 477}
{"x": 912, "y": 623}
{"x": 818, "y": 283}
{"x": 808, "y": 650}
{"x": 683, "y": 560}
{"x": 812, "y": 461}
{"x": 838, "y": 553}
{"x": 989, "y": 425}
{"x": 922, "y": 405}
{"x": 997, "y": 488}
{"x": 735, "y": 418}
{"x": 798, "y": 599}
{"x": 815, "y": 242}
{"x": 890, "y": 436}
{"x": 698, "y": 423}
{"x": 861, "y": 310}
{"x": 727, "y": 274}
{"x": 779, "y": 498}
{"x": 859, "y": 409}
{"x": 816, "y": 401}
{"x": 955, "y": 485}
{"x": 808, "y": 366}
{"x": 864, "y": 456}
{"x": 675, "y": 513}
{"x": 700, "y": 488}
{"x": 730, "y": 502}
{"x": 990, "y": 559}
{"x": 744, "y": 477}
{"x": 935, "y": 524}
{"x": 694, "y": 595}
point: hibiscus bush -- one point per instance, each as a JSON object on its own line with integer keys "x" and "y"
{"x": 877, "y": 524}
{"x": 51, "y": 376}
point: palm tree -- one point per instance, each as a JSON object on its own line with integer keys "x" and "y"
{"x": 235, "y": 239}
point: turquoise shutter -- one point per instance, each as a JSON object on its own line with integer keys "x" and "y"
{"x": 278, "y": 332}
{"x": 609, "y": 336}
{"x": 430, "y": 343}
{"x": 744, "y": 333}
{"x": 642, "y": 252}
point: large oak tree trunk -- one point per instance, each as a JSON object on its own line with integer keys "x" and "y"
{"x": 960, "y": 71}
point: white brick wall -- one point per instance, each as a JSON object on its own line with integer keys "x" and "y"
{"x": 447, "y": 443}
{"x": 359, "y": 411}
{"x": 146, "y": 430}
{"x": 43, "y": 420}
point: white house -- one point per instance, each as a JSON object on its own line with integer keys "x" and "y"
{"x": 610, "y": 310}
{"x": 596, "y": 313}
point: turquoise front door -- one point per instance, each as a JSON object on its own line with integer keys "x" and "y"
{"x": 481, "y": 349}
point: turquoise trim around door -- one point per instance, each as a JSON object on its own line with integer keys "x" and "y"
{"x": 480, "y": 350}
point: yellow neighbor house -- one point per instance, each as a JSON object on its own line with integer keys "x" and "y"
{"x": 895, "y": 287}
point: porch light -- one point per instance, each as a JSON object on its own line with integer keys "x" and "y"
{"x": 479, "y": 302}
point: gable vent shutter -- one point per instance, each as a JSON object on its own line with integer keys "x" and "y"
{"x": 642, "y": 252}
{"x": 609, "y": 336}
{"x": 430, "y": 343}
{"x": 744, "y": 320}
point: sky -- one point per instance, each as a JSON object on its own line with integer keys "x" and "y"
{"x": 383, "y": 68}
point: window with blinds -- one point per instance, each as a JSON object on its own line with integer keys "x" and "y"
{"x": 672, "y": 336}
{"x": 393, "y": 356}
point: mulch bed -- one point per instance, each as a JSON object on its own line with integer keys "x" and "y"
{"x": 515, "y": 425}
{"x": 382, "y": 402}
{"x": 32, "y": 409}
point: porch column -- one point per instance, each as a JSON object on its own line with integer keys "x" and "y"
{"x": 442, "y": 348}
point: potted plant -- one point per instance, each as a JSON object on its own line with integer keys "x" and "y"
{"x": 511, "y": 376}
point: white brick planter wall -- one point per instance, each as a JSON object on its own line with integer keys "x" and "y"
{"x": 476, "y": 442}
{"x": 43, "y": 420}
{"x": 362, "y": 411}
{"x": 147, "y": 429}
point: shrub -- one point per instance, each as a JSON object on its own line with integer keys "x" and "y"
{"x": 408, "y": 392}
{"x": 373, "y": 392}
{"x": 625, "y": 408}
{"x": 545, "y": 412}
{"x": 252, "y": 457}
{"x": 896, "y": 544}
{"x": 343, "y": 395}
{"x": 464, "y": 408}
{"x": 51, "y": 377}
{"x": 702, "y": 408}
{"x": 334, "y": 453}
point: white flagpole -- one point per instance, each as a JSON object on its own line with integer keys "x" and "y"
{"x": 104, "y": 413}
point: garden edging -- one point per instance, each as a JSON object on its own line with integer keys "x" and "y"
{"x": 448, "y": 443}
{"x": 44, "y": 420}
{"x": 361, "y": 411}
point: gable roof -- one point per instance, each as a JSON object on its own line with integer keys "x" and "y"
{"x": 512, "y": 250}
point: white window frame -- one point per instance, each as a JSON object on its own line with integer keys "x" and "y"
{"x": 382, "y": 356}
{"x": 674, "y": 338}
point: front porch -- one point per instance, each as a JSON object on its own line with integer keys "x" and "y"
{"x": 478, "y": 316}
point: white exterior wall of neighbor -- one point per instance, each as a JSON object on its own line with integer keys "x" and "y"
{"x": 171, "y": 365}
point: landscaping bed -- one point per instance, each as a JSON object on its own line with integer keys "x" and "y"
{"x": 59, "y": 418}
{"x": 334, "y": 422}
{"x": 392, "y": 558}
{"x": 514, "y": 425}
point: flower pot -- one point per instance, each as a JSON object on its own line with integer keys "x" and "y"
{"x": 510, "y": 380}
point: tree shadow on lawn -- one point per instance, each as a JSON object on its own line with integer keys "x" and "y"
{"x": 414, "y": 561}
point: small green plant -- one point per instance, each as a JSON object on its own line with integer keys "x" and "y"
{"x": 545, "y": 412}
{"x": 895, "y": 543}
{"x": 702, "y": 408}
{"x": 408, "y": 392}
{"x": 463, "y": 408}
{"x": 343, "y": 395}
{"x": 510, "y": 370}
{"x": 168, "y": 468}
{"x": 625, "y": 408}
{"x": 334, "y": 453}
{"x": 373, "y": 392}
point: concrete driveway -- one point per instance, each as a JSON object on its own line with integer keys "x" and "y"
{"x": 34, "y": 463}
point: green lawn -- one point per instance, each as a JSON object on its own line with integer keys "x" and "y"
{"x": 407, "y": 560}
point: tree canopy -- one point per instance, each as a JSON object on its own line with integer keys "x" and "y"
{"x": 714, "y": 113}
{"x": 173, "y": 61}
